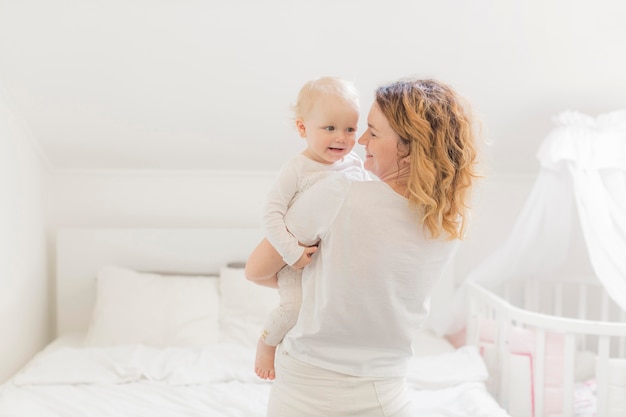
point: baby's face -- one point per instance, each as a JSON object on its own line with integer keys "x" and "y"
{"x": 329, "y": 129}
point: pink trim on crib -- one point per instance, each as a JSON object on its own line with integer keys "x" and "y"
{"x": 532, "y": 375}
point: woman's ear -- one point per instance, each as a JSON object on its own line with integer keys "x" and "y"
{"x": 301, "y": 127}
{"x": 404, "y": 150}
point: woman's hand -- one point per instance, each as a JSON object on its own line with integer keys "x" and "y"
{"x": 305, "y": 259}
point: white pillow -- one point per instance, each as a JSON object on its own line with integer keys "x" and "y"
{"x": 244, "y": 306}
{"x": 153, "y": 309}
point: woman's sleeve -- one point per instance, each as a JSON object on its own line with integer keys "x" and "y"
{"x": 278, "y": 200}
{"x": 312, "y": 214}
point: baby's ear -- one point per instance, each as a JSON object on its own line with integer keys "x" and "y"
{"x": 301, "y": 127}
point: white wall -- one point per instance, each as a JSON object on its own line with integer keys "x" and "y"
{"x": 24, "y": 320}
{"x": 144, "y": 84}
{"x": 156, "y": 199}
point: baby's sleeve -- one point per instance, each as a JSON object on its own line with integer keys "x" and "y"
{"x": 278, "y": 201}
{"x": 312, "y": 214}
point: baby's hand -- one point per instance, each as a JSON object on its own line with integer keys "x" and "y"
{"x": 305, "y": 259}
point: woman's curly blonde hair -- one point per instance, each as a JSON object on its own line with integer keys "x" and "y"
{"x": 438, "y": 139}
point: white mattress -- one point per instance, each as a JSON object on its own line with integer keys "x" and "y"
{"x": 68, "y": 380}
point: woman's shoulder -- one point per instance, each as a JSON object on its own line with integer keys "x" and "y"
{"x": 379, "y": 193}
{"x": 364, "y": 191}
{"x": 333, "y": 186}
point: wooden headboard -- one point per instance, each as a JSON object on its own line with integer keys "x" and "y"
{"x": 80, "y": 253}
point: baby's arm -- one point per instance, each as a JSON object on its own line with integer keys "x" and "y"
{"x": 279, "y": 198}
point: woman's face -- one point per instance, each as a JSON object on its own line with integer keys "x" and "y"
{"x": 381, "y": 145}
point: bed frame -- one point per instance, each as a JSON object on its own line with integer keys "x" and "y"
{"x": 80, "y": 253}
{"x": 578, "y": 314}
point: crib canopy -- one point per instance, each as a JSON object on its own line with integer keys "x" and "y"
{"x": 576, "y": 205}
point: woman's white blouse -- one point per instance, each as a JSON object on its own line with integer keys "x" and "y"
{"x": 366, "y": 292}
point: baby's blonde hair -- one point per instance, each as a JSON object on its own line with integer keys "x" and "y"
{"x": 316, "y": 87}
{"x": 435, "y": 125}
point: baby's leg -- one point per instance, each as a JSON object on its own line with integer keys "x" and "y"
{"x": 280, "y": 320}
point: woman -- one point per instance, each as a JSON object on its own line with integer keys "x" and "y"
{"x": 381, "y": 246}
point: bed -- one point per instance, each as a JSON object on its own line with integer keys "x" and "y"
{"x": 161, "y": 322}
{"x": 553, "y": 347}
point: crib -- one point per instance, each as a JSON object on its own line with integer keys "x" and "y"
{"x": 552, "y": 347}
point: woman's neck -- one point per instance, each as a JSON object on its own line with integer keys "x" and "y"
{"x": 398, "y": 181}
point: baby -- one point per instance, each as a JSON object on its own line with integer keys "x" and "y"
{"x": 326, "y": 116}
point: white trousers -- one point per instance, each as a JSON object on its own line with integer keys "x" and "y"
{"x": 303, "y": 390}
{"x": 284, "y": 317}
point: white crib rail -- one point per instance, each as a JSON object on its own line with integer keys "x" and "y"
{"x": 486, "y": 304}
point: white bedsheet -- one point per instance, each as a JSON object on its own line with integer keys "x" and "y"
{"x": 67, "y": 380}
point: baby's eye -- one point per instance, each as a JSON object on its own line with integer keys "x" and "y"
{"x": 330, "y": 128}
{"x": 351, "y": 130}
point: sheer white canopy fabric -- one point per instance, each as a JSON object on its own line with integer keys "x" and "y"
{"x": 578, "y": 201}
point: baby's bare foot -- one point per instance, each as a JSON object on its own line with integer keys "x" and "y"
{"x": 264, "y": 363}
